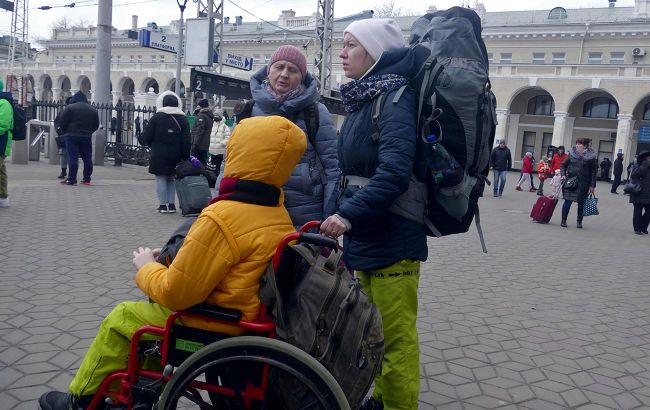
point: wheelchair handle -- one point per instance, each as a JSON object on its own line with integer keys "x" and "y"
{"x": 318, "y": 240}
{"x": 309, "y": 225}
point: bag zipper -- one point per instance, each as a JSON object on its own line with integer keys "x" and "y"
{"x": 321, "y": 325}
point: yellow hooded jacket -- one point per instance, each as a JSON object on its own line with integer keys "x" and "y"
{"x": 231, "y": 243}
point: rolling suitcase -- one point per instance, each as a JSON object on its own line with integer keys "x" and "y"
{"x": 543, "y": 209}
{"x": 193, "y": 194}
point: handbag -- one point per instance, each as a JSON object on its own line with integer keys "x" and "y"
{"x": 590, "y": 206}
{"x": 571, "y": 184}
{"x": 632, "y": 188}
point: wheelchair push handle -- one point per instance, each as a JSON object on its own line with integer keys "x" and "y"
{"x": 318, "y": 240}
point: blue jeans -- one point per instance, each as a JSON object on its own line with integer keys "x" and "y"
{"x": 499, "y": 175}
{"x": 165, "y": 189}
{"x": 75, "y": 146}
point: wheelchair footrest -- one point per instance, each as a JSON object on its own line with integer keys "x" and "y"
{"x": 184, "y": 341}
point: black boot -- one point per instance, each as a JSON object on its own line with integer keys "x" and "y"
{"x": 563, "y": 223}
{"x": 56, "y": 400}
{"x": 62, "y": 174}
{"x": 579, "y": 224}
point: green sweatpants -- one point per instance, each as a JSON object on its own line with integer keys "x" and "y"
{"x": 110, "y": 349}
{"x": 394, "y": 290}
{"x": 3, "y": 178}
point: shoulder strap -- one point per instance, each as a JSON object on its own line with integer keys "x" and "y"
{"x": 177, "y": 124}
{"x": 378, "y": 108}
{"x": 311, "y": 116}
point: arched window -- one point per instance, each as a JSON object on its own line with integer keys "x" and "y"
{"x": 600, "y": 107}
{"x": 558, "y": 13}
{"x": 646, "y": 111}
{"x": 541, "y": 105}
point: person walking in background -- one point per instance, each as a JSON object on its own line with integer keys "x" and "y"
{"x": 201, "y": 131}
{"x": 284, "y": 87}
{"x": 6, "y": 137}
{"x": 60, "y": 142}
{"x": 618, "y": 172}
{"x": 631, "y": 167}
{"x": 558, "y": 158}
{"x": 78, "y": 122}
{"x": 168, "y": 135}
{"x": 543, "y": 172}
{"x": 138, "y": 130}
{"x": 641, "y": 200}
{"x": 218, "y": 139}
{"x": 579, "y": 170}
{"x": 501, "y": 161}
{"x": 526, "y": 172}
{"x": 385, "y": 249}
{"x": 605, "y": 166}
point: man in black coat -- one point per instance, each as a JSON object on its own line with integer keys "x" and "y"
{"x": 618, "y": 172}
{"x": 78, "y": 122}
{"x": 201, "y": 131}
{"x": 501, "y": 161}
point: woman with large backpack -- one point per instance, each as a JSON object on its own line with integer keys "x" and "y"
{"x": 385, "y": 249}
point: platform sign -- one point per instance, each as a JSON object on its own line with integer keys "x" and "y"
{"x": 158, "y": 40}
{"x": 237, "y": 61}
{"x": 644, "y": 133}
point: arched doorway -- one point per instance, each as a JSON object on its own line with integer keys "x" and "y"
{"x": 532, "y": 120}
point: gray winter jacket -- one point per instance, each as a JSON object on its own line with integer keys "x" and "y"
{"x": 307, "y": 193}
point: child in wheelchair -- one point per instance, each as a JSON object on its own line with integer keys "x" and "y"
{"x": 220, "y": 263}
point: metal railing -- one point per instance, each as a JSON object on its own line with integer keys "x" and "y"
{"x": 123, "y": 122}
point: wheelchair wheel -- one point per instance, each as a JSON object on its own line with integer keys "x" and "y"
{"x": 249, "y": 367}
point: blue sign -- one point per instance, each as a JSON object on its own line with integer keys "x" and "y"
{"x": 158, "y": 40}
{"x": 644, "y": 133}
{"x": 235, "y": 60}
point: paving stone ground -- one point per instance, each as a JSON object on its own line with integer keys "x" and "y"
{"x": 550, "y": 318}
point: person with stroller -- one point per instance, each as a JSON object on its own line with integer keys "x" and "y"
{"x": 641, "y": 199}
{"x": 579, "y": 171}
{"x": 168, "y": 135}
{"x": 225, "y": 253}
{"x": 385, "y": 249}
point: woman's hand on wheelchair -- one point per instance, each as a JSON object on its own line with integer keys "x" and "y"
{"x": 142, "y": 256}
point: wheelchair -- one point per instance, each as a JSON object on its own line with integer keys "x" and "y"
{"x": 208, "y": 370}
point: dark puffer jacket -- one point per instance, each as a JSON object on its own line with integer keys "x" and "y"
{"x": 169, "y": 144}
{"x": 79, "y": 119}
{"x": 379, "y": 238}
{"x": 642, "y": 175}
{"x": 307, "y": 194}
{"x": 585, "y": 168}
{"x": 202, "y": 129}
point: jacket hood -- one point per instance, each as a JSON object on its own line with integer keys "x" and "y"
{"x": 159, "y": 100}
{"x": 264, "y": 149}
{"x": 400, "y": 61}
{"x": 269, "y": 105}
{"x": 79, "y": 97}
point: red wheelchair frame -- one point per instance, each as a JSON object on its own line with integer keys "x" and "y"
{"x": 263, "y": 325}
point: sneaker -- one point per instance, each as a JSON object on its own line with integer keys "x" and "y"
{"x": 85, "y": 182}
{"x": 162, "y": 209}
{"x": 68, "y": 182}
{"x": 540, "y": 193}
{"x": 563, "y": 224}
{"x": 638, "y": 232}
{"x": 62, "y": 175}
{"x": 371, "y": 404}
{"x": 56, "y": 400}
{"x": 501, "y": 193}
{"x": 579, "y": 224}
{"x": 532, "y": 190}
{"x": 645, "y": 232}
{"x": 171, "y": 208}
{"x": 495, "y": 194}
{"x": 519, "y": 188}
{"x": 4, "y": 202}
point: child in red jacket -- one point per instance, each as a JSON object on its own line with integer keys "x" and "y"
{"x": 526, "y": 172}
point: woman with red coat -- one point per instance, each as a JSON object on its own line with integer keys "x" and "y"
{"x": 558, "y": 159}
{"x": 527, "y": 172}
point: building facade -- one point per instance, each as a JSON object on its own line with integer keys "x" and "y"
{"x": 558, "y": 74}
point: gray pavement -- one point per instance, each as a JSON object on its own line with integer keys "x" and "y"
{"x": 550, "y": 318}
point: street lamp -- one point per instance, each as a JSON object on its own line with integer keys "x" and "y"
{"x": 179, "y": 51}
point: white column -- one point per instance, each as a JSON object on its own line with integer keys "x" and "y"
{"x": 37, "y": 93}
{"x": 559, "y": 128}
{"x": 512, "y": 140}
{"x": 117, "y": 95}
{"x": 502, "y": 125}
{"x": 624, "y": 135}
{"x": 56, "y": 94}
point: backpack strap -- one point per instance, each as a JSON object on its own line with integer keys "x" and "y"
{"x": 311, "y": 116}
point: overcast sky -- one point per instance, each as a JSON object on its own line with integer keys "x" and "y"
{"x": 163, "y": 11}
